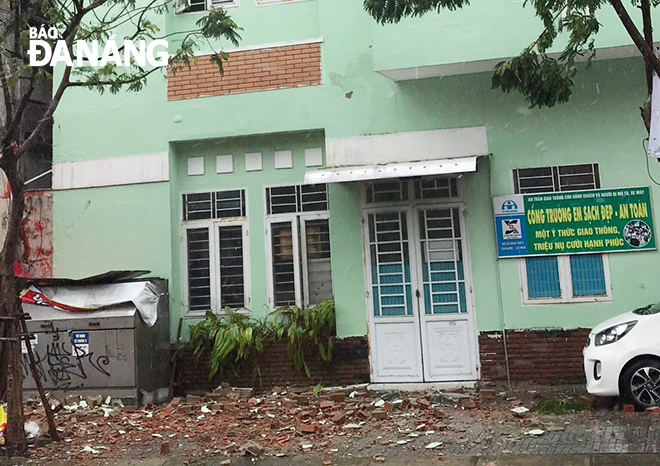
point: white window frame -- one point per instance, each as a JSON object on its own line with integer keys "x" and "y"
{"x": 297, "y": 221}
{"x": 410, "y": 191}
{"x": 214, "y": 259}
{"x": 277, "y": 2}
{"x": 181, "y": 6}
{"x": 300, "y": 277}
{"x": 563, "y": 265}
{"x": 565, "y": 284}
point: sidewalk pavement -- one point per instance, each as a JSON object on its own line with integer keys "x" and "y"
{"x": 635, "y": 459}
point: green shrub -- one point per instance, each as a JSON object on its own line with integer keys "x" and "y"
{"x": 233, "y": 336}
{"x": 304, "y": 327}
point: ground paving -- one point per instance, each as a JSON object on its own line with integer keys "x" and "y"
{"x": 299, "y": 427}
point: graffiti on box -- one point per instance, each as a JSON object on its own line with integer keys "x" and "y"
{"x": 65, "y": 362}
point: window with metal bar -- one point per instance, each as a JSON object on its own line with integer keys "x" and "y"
{"x": 199, "y": 269}
{"x": 296, "y": 199}
{"x": 567, "y": 278}
{"x": 299, "y": 239}
{"x": 211, "y": 205}
{"x": 215, "y": 225}
{"x": 201, "y": 5}
{"x": 443, "y": 187}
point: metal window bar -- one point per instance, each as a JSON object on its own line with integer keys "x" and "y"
{"x": 387, "y": 191}
{"x": 557, "y": 178}
{"x": 297, "y": 199}
{"x": 198, "y": 206}
{"x": 282, "y": 199}
{"x": 391, "y": 285}
{"x": 199, "y": 269}
{"x": 232, "y": 276}
{"x": 313, "y": 198}
{"x": 543, "y": 280}
{"x": 230, "y": 203}
{"x": 578, "y": 177}
{"x": 444, "y": 284}
{"x": 534, "y": 180}
{"x": 284, "y": 285}
{"x": 436, "y": 188}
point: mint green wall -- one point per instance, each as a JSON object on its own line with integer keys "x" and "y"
{"x": 115, "y": 228}
{"x": 265, "y": 24}
{"x": 88, "y": 125}
{"x": 139, "y": 226}
{"x": 347, "y": 259}
{"x": 484, "y": 30}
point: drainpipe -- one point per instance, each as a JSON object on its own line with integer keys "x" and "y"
{"x": 499, "y": 291}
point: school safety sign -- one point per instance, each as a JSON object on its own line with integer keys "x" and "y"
{"x": 574, "y": 222}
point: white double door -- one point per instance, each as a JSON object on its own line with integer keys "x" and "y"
{"x": 419, "y": 295}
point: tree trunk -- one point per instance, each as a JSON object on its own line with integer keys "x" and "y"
{"x": 10, "y": 307}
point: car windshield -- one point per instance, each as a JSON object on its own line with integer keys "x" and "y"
{"x": 648, "y": 310}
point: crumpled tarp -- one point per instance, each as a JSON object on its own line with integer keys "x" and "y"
{"x": 142, "y": 294}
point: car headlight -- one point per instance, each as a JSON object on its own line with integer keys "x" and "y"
{"x": 612, "y": 334}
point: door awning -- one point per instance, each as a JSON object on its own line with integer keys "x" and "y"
{"x": 393, "y": 170}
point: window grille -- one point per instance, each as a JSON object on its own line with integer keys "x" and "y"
{"x": 284, "y": 284}
{"x": 214, "y": 250}
{"x": 212, "y": 205}
{"x": 232, "y": 291}
{"x": 554, "y": 179}
{"x": 199, "y": 270}
{"x": 296, "y": 199}
{"x": 444, "y": 187}
{"x": 387, "y": 191}
{"x": 436, "y": 188}
{"x": 551, "y": 277}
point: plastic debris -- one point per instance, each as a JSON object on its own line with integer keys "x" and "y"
{"x": 32, "y": 430}
{"x": 535, "y": 432}
{"x": 91, "y": 450}
{"x": 3, "y": 424}
{"x": 352, "y": 426}
{"x": 433, "y": 445}
{"x": 520, "y": 410}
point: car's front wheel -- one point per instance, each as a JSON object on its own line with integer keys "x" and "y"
{"x": 641, "y": 383}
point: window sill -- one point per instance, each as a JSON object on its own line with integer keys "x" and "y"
{"x": 585, "y": 300}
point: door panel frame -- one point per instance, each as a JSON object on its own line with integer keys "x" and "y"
{"x": 469, "y": 315}
{"x": 411, "y": 206}
{"x": 371, "y": 318}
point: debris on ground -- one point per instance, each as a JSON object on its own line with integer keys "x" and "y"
{"x": 286, "y": 421}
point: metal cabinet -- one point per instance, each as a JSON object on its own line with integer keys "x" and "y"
{"x": 109, "y": 352}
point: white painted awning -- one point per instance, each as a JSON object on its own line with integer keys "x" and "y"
{"x": 443, "y": 166}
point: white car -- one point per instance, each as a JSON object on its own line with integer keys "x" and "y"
{"x": 622, "y": 357}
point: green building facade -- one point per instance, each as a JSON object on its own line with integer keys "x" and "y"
{"x": 365, "y": 174}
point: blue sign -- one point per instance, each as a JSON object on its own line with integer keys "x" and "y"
{"x": 511, "y": 226}
{"x": 79, "y": 343}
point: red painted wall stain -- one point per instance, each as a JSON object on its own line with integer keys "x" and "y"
{"x": 37, "y": 234}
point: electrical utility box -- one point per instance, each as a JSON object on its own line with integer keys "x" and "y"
{"x": 108, "y": 352}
